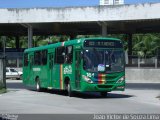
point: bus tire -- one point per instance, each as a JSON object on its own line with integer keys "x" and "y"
{"x": 38, "y": 87}
{"x": 104, "y": 94}
{"x": 69, "y": 89}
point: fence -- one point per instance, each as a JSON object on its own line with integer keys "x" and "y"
{"x": 143, "y": 62}
{"x": 2, "y": 72}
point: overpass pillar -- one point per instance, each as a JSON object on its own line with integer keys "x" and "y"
{"x": 30, "y": 35}
{"x": 104, "y": 29}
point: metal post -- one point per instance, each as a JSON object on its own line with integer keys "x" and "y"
{"x": 156, "y": 63}
{"x": 17, "y": 62}
{"x": 139, "y": 62}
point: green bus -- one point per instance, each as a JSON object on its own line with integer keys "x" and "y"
{"x": 83, "y": 65}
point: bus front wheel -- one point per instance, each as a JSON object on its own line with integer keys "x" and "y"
{"x": 70, "y": 92}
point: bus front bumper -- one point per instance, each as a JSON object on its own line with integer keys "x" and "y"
{"x": 86, "y": 87}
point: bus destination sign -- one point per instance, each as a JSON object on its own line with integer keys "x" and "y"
{"x": 102, "y": 43}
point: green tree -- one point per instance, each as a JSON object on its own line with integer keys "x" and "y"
{"x": 146, "y": 44}
{"x": 23, "y": 42}
{"x": 10, "y": 42}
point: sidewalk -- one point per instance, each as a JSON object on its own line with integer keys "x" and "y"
{"x": 141, "y": 81}
{"x": 143, "y": 86}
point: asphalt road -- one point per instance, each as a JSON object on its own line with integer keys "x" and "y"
{"x": 24, "y": 100}
{"x": 17, "y": 84}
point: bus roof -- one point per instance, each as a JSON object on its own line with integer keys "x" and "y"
{"x": 70, "y": 42}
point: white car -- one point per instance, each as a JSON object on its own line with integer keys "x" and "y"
{"x": 13, "y": 73}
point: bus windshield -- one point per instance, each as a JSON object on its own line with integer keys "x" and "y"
{"x": 106, "y": 60}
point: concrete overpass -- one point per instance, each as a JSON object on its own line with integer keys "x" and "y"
{"x": 126, "y": 19}
{"x": 82, "y": 20}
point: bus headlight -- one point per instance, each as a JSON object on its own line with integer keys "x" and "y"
{"x": 87, "y": 79}
{"x": 121, "y": 79}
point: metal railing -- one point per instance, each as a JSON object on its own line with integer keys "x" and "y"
{"x": 139, "y": 62}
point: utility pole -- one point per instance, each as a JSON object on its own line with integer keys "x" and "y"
{"x": 4, "y": 60}
{"x": 4, "y": 45}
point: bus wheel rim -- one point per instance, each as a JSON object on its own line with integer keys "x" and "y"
{"x": 37, "y": 86}
{"x": 68, "y": 88}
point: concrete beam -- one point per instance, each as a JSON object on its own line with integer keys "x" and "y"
{"x": 98, "y": 13}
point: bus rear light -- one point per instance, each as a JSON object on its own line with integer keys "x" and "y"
{"x": 87, "y": 79}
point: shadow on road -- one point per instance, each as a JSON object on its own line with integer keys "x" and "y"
{"x": 87, "y": 95}
{"x": 18, "y": 85}
{"x": 96, "y": 95}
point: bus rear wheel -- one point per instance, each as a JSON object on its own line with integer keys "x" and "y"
{"x": 69, "y": 90}
{"x": 38, "y": 87}
{"x": 104, "y": 94}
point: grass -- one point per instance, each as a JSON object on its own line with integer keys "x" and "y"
{"x": 2, "y": 90}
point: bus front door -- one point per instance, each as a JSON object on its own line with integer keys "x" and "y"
{"x": 30, "y": 67}
{"x": 50, "y": 72}
{"x": 77, "y": 69}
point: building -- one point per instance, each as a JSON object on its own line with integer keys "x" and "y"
{"x": 111, "y": 2}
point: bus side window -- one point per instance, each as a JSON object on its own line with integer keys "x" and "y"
{"x": 60, "y": 55}
{"x": 44, "y": 57}
{"x": 69, "y": 54}
{"x": 37, "y": 58}
{"x": 31, "y": 59}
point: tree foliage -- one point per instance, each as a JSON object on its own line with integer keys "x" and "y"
{"x": 146, "y": 44}
{"x": 143, "y": 44}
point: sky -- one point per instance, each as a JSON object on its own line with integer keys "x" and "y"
{"x": 58, "y": 3}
